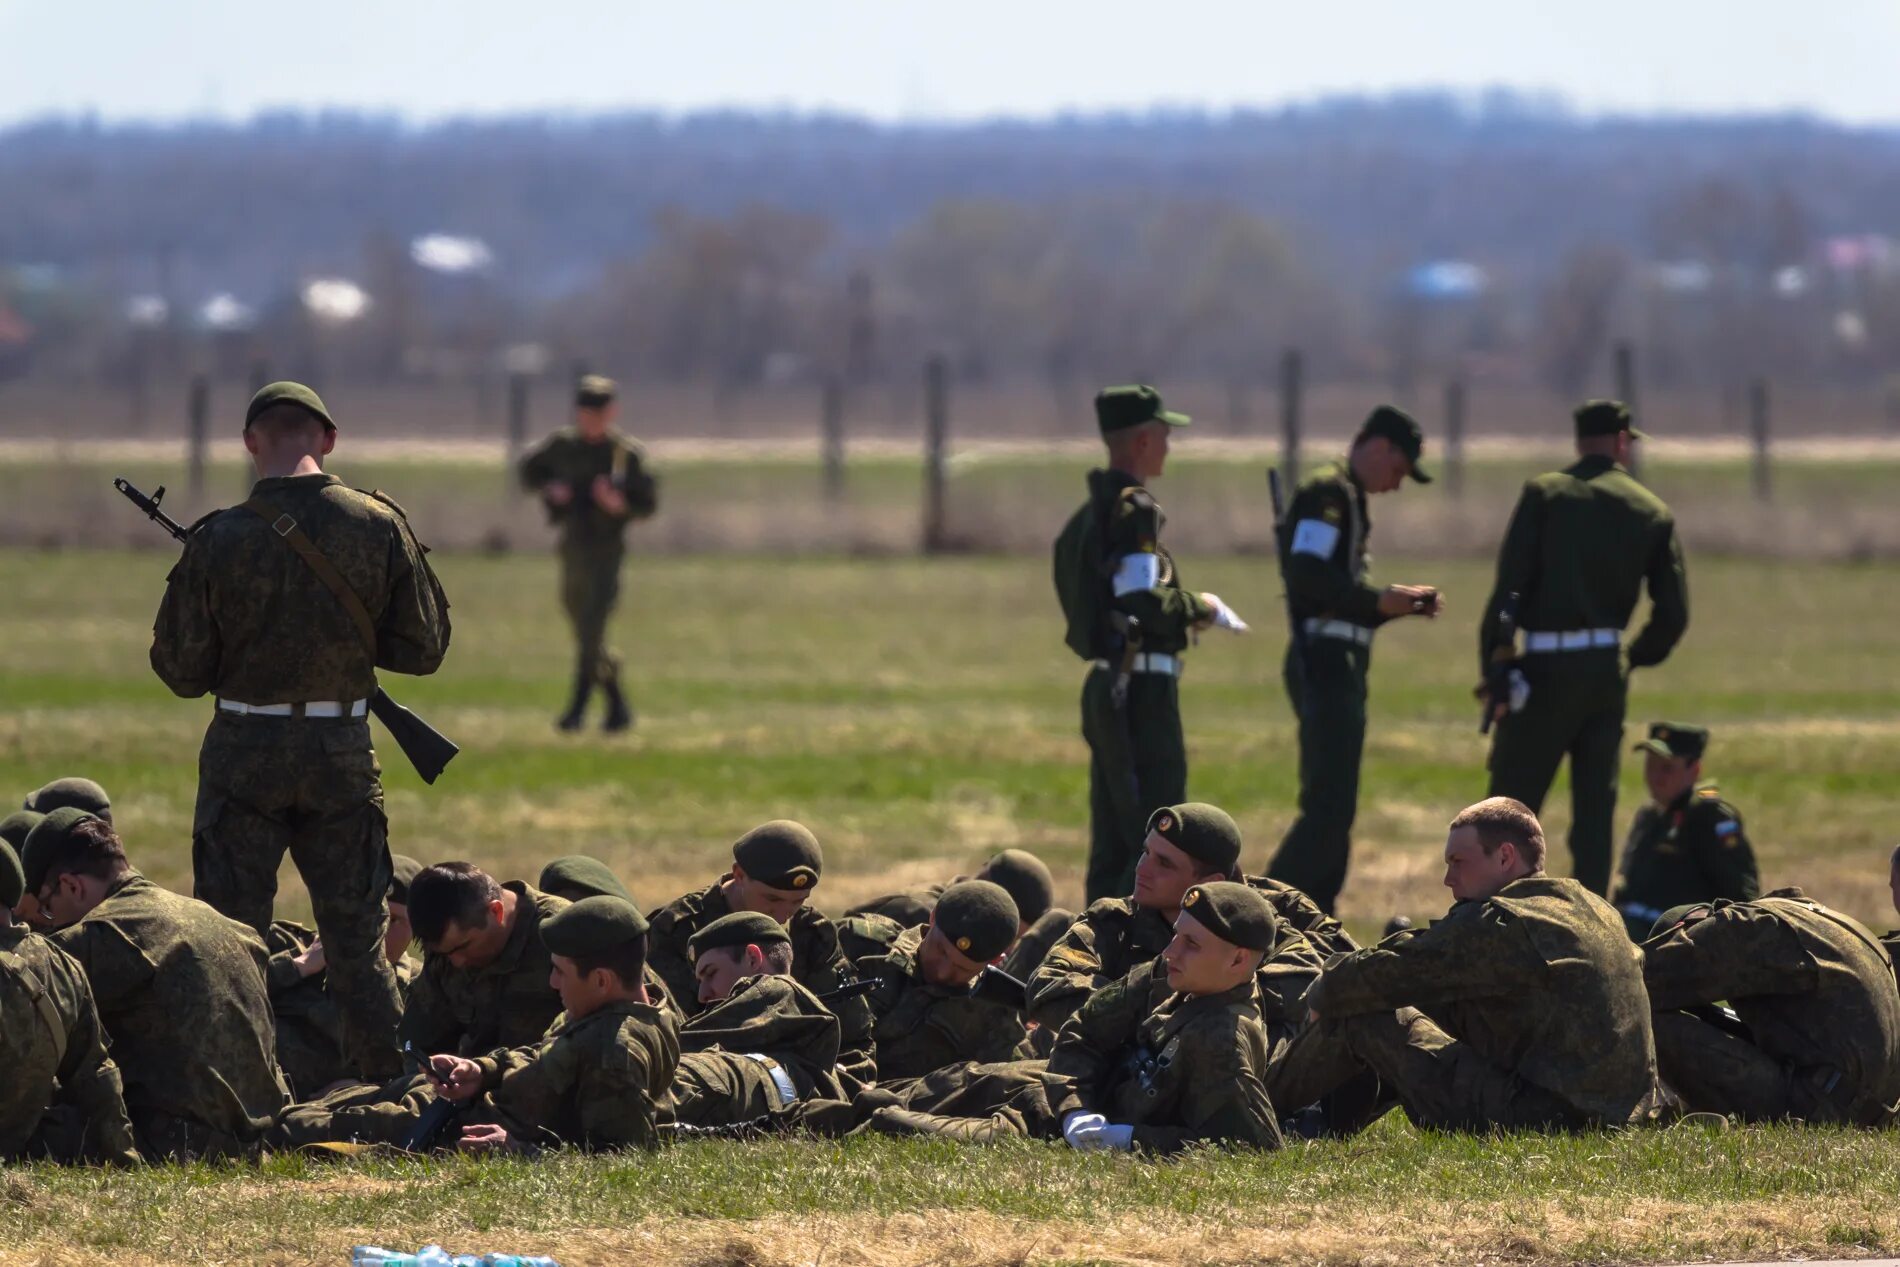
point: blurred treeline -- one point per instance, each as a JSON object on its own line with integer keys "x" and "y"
{"x": 1396, "y": 242}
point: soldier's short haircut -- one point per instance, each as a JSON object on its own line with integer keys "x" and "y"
{"x": 778, "y": 954}
{"x": 91, "y": 848}
{"x": 627, "y": 960}
{"x": 450, "y": 892}
{"x": 1500, "y": 819}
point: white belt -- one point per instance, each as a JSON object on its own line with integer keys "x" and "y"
{"x": 1571, "y": 639}
{"x": 315, "y": 708}
{"x": 1344, "y": 630}
{"x": 1148, "y": 662}
{"x": 787, "y": 1089}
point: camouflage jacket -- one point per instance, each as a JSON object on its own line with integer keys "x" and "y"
{"x": 1302, "y": 914}
{"x": 921, "y": 1027}
{"x": 181, "y": 994}
{"x": 1539, "y": 980}
{"x": 1035, "y": 944}
{"x": 1815, "y": 988}
{"x": 1322, "y": 550}
{"x": 309, "y": 1029}
{"x": 246, "y": 619}
{"x": 1696, "y": 850}
{"x": 721, "y": 1080}
{"x": 54, "y": 1051}
{"x": 818, "y": 964}
{"x": 907, "y": 909}
{"x": 567, "y": 458}
{"x": 591, "y": 1083}
{"x": 1119, "y": 519}
{"x": 1106, "y": 941}
{"x": 1190, "y": 1070}
{"x": 506, "y": 1003}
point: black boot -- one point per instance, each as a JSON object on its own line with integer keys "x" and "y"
{"x": 577, "y": 706}
{"x": 619, "y": 715}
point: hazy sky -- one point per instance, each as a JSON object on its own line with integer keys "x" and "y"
{"x": 908, "y": 59}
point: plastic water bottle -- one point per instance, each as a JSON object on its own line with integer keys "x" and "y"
{"x": 436, "y": 1256}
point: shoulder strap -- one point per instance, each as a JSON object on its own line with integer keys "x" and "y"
{"x": 286, "y": 527}
{"x": 42, "y": 1002}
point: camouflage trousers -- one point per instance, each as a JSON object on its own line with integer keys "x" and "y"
{"x": 362, "y": 1113}
{"x": 717, "y": 1088}
{"x": 969, "y": 1102}
{"x": 1575, "y": 710}
{"x": 310, "y": 787}
{"x": 590, "y": 589}
{"x": 1715, "y": 1071}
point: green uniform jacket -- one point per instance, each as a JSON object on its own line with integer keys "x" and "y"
{"x": 1695, "y": 851}
{"x": 1120, "y": 518}
{"x": 1105, "y": 943}
{"x": 909, "y": 908}
{"x": 1582, "y": 543}
{"x": 1815, "y": 988}
{"x": 921, "y": 1027}
{"x": 507, "y": 1003}
{"x": 591, "y": 1083}
{"x": 309, "y": 1028}
{"x": 1325, "y": 576}
{"x": 1190, "y": 1071}
{"x": 719, "y": 1082}
{"x": 181, "y": 994}
{"x": 53, "y": 1049}
{"x": 818, "y": 964}
{"x": 247, "y": 619}
{"x": 565, "y": 457}
{"x": 1540, "y": 980}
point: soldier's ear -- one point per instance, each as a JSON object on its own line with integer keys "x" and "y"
{"x": 329, "y": 440}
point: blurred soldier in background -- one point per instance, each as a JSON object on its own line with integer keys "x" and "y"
{"x": 1688, "y": 844}
{"x": 592, "y": 480}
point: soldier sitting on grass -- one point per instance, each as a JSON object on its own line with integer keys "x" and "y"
{"x": 1688, "y": 844}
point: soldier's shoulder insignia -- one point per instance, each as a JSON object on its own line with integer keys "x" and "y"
{"x": 1710, "y": 793}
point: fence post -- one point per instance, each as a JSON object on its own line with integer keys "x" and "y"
{"x": 1455, "y": 437}
{"x": 831, "y": 438}
{"x": 936, "y": 425}
{"x": 1290, "y": 388}
{"x": 1625, "y": 357}
{"x": 1758, "y": 429}
{"x": 197, "y": 431}
{"x": 517, "y": 413}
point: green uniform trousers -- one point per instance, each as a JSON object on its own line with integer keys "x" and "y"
{"x": 1137, "y": 764}
{"x": 1575, "y": 708}
{"x": 590, "y": 589}
{"x": 313, "y": 787}
{"x": 1329, "y": 700}
{"x": 1715, "y": 1071}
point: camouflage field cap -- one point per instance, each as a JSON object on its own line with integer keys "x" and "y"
{"x": 287, "y": 393}
{"x": 781, "y": 854}
{"x": 1203, "y": 832}
{"x": 577, "y": 876}
{"x": 1232, "y": 912}
{"x": 736, "y": 931}
{"x": 402, "y": 872}
{"x": 15, "y": 826}
{"x": 47, "y": 841}
{"x": 592, "y": 391}
{"x": 1604, "y": 418}
{"x": 1119, "y": 408}
{"x": 1673, "y": 739}
{"x": 1025, "y": 878}
{"x": 978, "y": 917}
{"x": 12, "y": 878}
{"x": 592, "y": 926}
{"x": 1388, "y": 422}
{"x": 75, "y": 792}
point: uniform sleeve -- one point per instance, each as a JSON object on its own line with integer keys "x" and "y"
{"x": 186, "y": 648}
{"x": 1093, "y": 1039}
{"x": 1224, "y": 1102}
{"x": 116, "y": 969}
{"x": 536, "y": 467}
{"x": 615, "y": 1109}
{"x": 90, "y": 1082}
{"x": 1318, "y": 574}
{"x": 1722, "y": 849}
{"x": 427, "y": 1019}
{"x": 1165, "y": 610}
{"x": 1065, "y": 978}
{"x": 1456, "y": 958}
{"x": 1736, "y": 952}
{"x": 1517, "y": 566}
{"x": 413, "y": 634}
{"x": 1668, "y": 579}
{"x": 637, "y": 484}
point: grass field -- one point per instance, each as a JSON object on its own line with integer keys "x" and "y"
{"x": 920, "y": 715}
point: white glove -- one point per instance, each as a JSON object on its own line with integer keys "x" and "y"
{"x": 1083, "y": 1130}
{"x": 1226, "y": 617}
{"x": 1520, "y": 690}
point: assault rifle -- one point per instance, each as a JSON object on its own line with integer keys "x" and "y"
{"x": 1495, "y": 690}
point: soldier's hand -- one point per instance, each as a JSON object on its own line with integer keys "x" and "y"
{"x": 607, "y": 497}
{"x": 557, "y": 493}
{"x": 458, "y": 1078}
{"x": 1410, "y": 600}
{"x": 483, "y": 1137}
{"x": 311, "y": 961}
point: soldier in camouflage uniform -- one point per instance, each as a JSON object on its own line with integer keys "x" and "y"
{"x": 775, "y": 868}
{"x": 1688, "y": 844}
{"x": 61, "y": 1096}
{"x": 1522, "y": 1009}
{"x": 1323, "y": 560}
{"x": 1582, "y": 545}
{"x": 593, "y": 1081}
{"x": 1813, "y": 1026}
{"x": 13, "y": 830}
{"x": 1129, "y": 617}
{"x": 309, "y": 1034}
{"x": 1023, "y": 875}
{"x": 287, "y": 763}
{"x": 179, "y": 988}
{"x": 593, "y": 481}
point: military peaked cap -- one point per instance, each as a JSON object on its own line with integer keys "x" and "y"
{"x": 1119, "y": 408}
{"x": 1673, "y": 739}
{"x": 1604, "y": 418}
{"x": 1388, "y": 422}
{"x": 591, "y": 391}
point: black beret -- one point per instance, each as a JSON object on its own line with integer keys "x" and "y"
{"x": 47, "y": 841}
{"x": 780, "y": 854}
{"x": 592, "y": 926}
{"x": 78, "y": 793}
{"x": 1201, "y": 831}
{"x": 741, "y": 928}
{"x": 15, "y": 826}
{"x": 591, "y": 391}
{"x": 1119, "y": 408}
{"x": 402, "y": 873}
{"x": 577, "y": 876}
{"x": 1025, "y": 878}
{"x": 1604, "y": 418}
{"x": 978, "y": 917}
{"x": 1232, "y": 912}
{"x": 287, "y": 393}
{"x": 1674, "y": 739}
{"x": 12, "y": 878}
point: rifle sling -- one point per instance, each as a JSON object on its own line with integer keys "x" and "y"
{"x": 286, "y": 527}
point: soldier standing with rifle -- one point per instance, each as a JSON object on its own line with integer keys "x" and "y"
{"x": 593, "y": 481}
{"x": 1128, "y": 616}
{"x": 283, "y": 609}
{"x": 1333, "y": 610}
{"x": 1582, "y": 545}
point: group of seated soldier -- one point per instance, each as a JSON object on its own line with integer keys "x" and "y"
{"x": 1207, "y": 1007}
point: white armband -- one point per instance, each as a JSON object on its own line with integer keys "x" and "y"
{"x": 1137, "y": 572}
{"x": 1315, "y": 537}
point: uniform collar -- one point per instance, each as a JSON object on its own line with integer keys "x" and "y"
{"x": 1593, "y": 464}
{"x": 1110, "y": 480}
{"x": 285, "y": 483}
{"x": 527, "y": 925}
